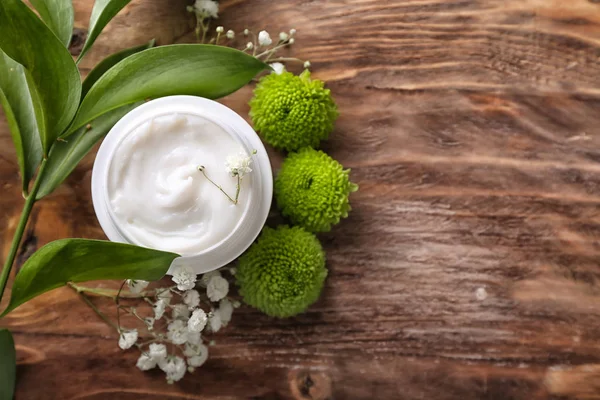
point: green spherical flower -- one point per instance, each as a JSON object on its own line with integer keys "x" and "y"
{"x": 312, "y": 190}
{"x": 292, "y": 111}
{"x": 283, "y": 272}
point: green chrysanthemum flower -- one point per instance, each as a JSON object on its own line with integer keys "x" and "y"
{"x": 283, "y": 272}
{"x": 292, "y": 111}
{"x": 312, "y": 190}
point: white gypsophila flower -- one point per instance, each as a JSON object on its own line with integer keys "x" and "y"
{"x": 128, "y": 339}
{"x": 200, "y": 356}
{"x": 214, "y": 322}
{"x": 194, "y": 337}
{"x": 145, "y": 362}
{"x": 238, "y": 164}
{"x": 246, "y": 32}
{"x": 174, "y": 367}
{"x": 158, "y": 351}
{"x": 185, "y": 278}
{"x": 180, "y": 311}
{"x": 191, "y": 298}
{"x": 283, "y": 36}
{"x": 207, "y": 276}
{"x": 264, "y": 39}
{"x": 137, "y": 286}
{"x": 249, "y": 45}
{"x": 164, "y": 294}
{"x": 278, "y": 68}
{"x": 292, "y": 32}
{"x": 306, "y": 64}
{"x": 207, "y": 8}
{"x": 217, "y": 288}
{"x": 225, "y": 311}
{"x": 292, "y": 41}
{"x": 177, "y": 332}
{"x": 220, "y": 29}
{"x": 159, "y": 308}
{"x": 230, "y": 34}
{"x": 197, "y": 321}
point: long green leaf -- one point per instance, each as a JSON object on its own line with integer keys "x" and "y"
{"x": 8, "y": 365}
{"x": 81, "y": 260}
{"x": 28, "y": 41}
{"x": 108, "y": 63}
{"x": 194, "y": 69}
{"x": 16, "y": 99}
{"x": 65, "y": 155}
{"x": 102, "y": 13}
{"x": 59, "y": 16}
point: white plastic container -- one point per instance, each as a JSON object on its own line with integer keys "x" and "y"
{"x": 253, "y": 218}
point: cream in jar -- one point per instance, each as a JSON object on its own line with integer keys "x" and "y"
{"x": 157, "y": 195}
{"x": 147, "y": 190}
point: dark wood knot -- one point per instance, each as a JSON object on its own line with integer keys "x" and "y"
{"x": 77, "y": 41}
{"x": 310, "y": 385}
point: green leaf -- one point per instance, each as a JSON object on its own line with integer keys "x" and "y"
{"x": 59, "y": 16}
{"x": 8, "y": 365}
{"x": 108, "y": 63}
{"x": 16, "y": 99}
{"x": 65, "y": 155}
{"x": 81, "y": 260}
{"x": 193, "y": 69}
{"x": 28, "y": 41}
{"x": 102, "y": 13}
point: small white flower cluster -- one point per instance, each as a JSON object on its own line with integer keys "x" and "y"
{"x": 183, "y": 328}
{"x": 238, "y": 164}
{"x": 264, "y": 40}
{"x": 205, "y": 9}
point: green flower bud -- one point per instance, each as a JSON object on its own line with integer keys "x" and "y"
{"x": 292, "y": 111}
{"x": 283, "y": 272}
{"x": 312, "y": 190}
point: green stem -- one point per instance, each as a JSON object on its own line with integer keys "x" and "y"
{"x": 29, "y": 202}
{"x": 197, "y": 30}
{"x": 286, "y": 59}
{"x": 272, "y": 51}
{"x": 132, "y": 311}
{"x": 110, "y": 293}
{"x": 87, "y": 301}
{"x": 255, "y": 47}
{"x": 237, "y": 189}
{"x": 95, "y": 291}
{"x": 201, "y": 169}
{"x": 119, "y": 306}
{"x": 205, "y": 30}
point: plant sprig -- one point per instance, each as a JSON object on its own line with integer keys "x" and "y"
{"x": 238, "y": 166}
{"x": 260, "y": 46}
{"x": 54, "y": 123}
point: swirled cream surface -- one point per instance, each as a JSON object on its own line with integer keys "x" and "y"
{"x": 160, "y": 199}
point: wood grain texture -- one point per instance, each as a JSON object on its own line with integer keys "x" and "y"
{"x": 469, "y": 267}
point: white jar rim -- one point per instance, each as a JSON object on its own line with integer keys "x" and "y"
{"x": 255, "y": 214}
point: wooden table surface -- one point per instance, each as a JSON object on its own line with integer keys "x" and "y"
{"x": 469, "y": 267}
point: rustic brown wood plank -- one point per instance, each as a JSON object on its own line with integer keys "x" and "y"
{"x": 468, "y": 268}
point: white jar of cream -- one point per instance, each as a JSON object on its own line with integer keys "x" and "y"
{"x": 160, "y": 181}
